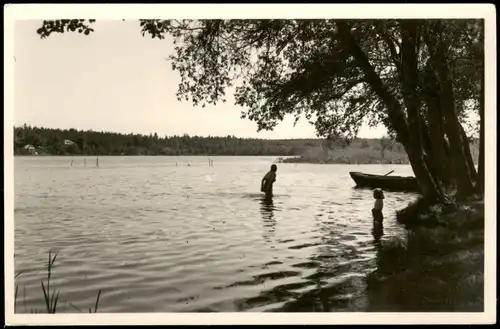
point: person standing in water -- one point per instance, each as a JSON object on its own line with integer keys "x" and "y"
{"x": 266, "y": 185}
{"x": 379, "y": 197}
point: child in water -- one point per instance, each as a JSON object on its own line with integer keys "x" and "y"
{"x": 378, "y": 195}
{"x": 266, "y": 185}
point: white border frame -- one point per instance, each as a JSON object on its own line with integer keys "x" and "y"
{"x": 319, "y": 11}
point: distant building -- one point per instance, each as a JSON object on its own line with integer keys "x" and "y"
{"x": 30, "y": 148}
{"x": 68, "y": 142}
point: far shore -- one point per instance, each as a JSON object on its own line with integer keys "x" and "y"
{"x": 38, "y": 141}
{"x": 276, "y": 158}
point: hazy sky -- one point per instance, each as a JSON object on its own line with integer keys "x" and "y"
{"x": 117, "y": 80}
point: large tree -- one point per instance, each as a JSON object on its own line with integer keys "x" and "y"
{"x": 416, "y": 77}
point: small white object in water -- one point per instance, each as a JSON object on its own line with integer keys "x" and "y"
{"x": 208, "y": 178}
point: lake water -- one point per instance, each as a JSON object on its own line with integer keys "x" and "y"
{"x": 159, "y": 237}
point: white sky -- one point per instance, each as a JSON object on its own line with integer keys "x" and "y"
{"x": 117, "y": 80}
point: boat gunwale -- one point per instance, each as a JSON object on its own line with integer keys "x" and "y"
{"x": 388, "y": 183}
{"x": 358, "y": 174}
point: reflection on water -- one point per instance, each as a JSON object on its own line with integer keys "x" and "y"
{"x": 378, "y": 226}
{"x": 158, "y": 236}
{"x": 377, "y": 231}
{"x": 267, "y": 210}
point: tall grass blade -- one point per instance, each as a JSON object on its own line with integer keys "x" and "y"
{"x": 75, "y": 307}
{"x": 24, "y": 298}
{"x": 15, "y": 298}
{"x": 97, "y": 301}
{"x": 50, "y": 257}
{"x": 54, "y": 259}
{"x": 45, "y": 297}
{"x": 55, "y": 303}
{"x": 52, "y": 300}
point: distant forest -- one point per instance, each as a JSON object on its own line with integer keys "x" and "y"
{"x": 47, "y": 141}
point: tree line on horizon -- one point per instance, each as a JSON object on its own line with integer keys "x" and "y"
{"x": 87, "y": 142}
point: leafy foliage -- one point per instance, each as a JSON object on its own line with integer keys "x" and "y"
{"x": 65, "y": 25}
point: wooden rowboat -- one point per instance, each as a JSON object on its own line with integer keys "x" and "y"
{"x": 387, "y": 183}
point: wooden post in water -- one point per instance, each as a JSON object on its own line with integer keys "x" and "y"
{"x": 71, "y": 164}
{"x": 85, "y": 162}
{"x": 97, "y": 162}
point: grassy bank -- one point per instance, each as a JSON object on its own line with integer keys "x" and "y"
{"x": 349, "y": 156}
{"x": 362, "y": 151}
{"x": 439, "y": 267}
{"x": 359, "y": 151}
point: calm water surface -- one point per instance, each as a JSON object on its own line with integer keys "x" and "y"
{"x": 156, "y": 237}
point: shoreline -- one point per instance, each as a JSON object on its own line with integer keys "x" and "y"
{"x": 439, "y": 268}
{"x": 279, "y": 159}
{"x": 348, "y": 161}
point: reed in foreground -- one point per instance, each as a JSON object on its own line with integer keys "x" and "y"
{"x": 50, "y": 294}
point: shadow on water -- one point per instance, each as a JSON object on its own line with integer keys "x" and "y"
{"x": 332, "y": 279}
{"x": 326, "y": 281}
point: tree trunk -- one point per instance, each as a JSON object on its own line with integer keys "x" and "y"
{"x": 468, "y": 155}
{"x": 436, "y": 162}
{"x": 480, "y": 169}
{"x": 453, "y": 127}
{"x": 441, "y": 157}
{"x": 439, "y": 62}
{"x": 441, "y": 161}
{"x": 430, "y": 191}
{"x": 409, "y": 78}
{"x": 449, "y": 158}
